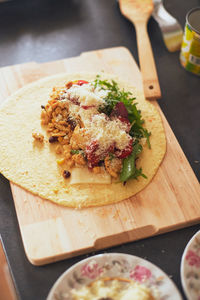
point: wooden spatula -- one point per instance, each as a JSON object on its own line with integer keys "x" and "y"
{"x": 138, "y": 12}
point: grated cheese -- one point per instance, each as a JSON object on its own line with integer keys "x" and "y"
{"x": 98, "y": 126}
{"x": 87, "y": 95}
{"x": 107, "y": 132}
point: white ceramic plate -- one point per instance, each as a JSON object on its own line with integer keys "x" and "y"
{"x": 190, "y": 268}
{"x": 113, "y": 265}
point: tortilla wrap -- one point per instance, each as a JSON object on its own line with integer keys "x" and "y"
{"x": 33, "y": 165}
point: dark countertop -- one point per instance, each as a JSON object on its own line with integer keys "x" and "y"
{"x": 43, "y": 30}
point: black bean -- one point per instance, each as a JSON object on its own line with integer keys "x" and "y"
{"x": 101, "y": 163}
{"x": 42, "y": 106}
{"x": 53, "y": 139}
{"x": 72, "y": 123}
{"x": 105, "y": 298}
{"x": 66, "y": 174}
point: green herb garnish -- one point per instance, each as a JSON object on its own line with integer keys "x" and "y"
{"x": 137, "y": 131}
{"x": 78, "y": 152}
{"x": 129, "y": 170}
{"x": 114, "y": 96}
{"x": 111, "y": 156}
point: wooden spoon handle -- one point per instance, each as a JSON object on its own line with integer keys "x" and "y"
{"x": 147, "y": 65}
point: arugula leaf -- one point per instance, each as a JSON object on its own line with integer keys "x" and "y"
{"x": 138, "y": 172}
{"x": 116, "y": 95}
{"x": 129, "y": 170}
{"x": 77, "y": 152}
{"x": 111, "y": 156}
{"x": 137, "y": 131}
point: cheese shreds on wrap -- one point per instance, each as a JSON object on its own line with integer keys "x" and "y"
{"x": 33, "y": 165}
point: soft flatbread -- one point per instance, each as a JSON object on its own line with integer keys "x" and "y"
{"x": 33, "y": 166}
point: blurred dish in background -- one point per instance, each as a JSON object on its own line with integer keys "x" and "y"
{"x": 171, "y": 30}
{"x": 190, "y": 51}
{"x": 116, "y": 269}
{"x": 190, "y": 268}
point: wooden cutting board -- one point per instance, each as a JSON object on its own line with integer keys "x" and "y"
{"x": 171, "y": 201}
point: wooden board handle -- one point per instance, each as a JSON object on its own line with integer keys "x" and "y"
{"x": 147, "y": 65}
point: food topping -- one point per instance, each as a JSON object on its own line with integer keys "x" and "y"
{"x": 53, "y": 139}
{"x": 115, "y": 289}
{"x": 105, "y": 298}
{"x": 95, "y": 124}
{"x": 113, "y": 165}
{"x": 66, "y": 174}
{"x": 38, "y": 137}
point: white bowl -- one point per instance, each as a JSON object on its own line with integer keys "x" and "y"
{"x": 113, "y": 265}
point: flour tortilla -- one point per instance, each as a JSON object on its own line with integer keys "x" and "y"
{"x": 33, "y": 165}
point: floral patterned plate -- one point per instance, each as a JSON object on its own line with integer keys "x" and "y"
{"x": 113, "y": 265}
{"x": 190, "y": 268}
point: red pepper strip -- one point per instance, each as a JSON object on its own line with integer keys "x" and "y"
{"x": 87, "y": 106}
{"x": 92, "y": 158}
{"x": 80, "y": 82}
{"x": 125, "y": 152}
